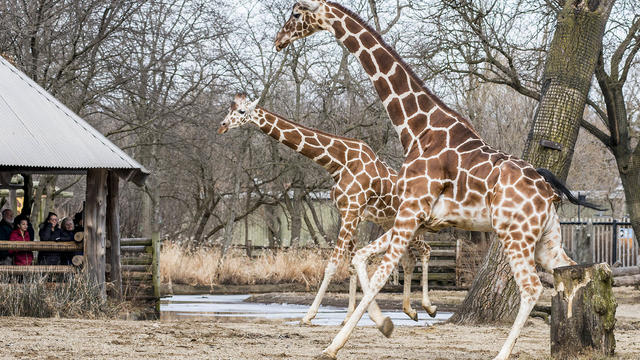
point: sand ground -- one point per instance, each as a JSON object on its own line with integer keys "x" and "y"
{"x": 28, "y": 338}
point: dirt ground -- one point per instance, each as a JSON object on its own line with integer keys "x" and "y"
{"x": 27, "y": 338}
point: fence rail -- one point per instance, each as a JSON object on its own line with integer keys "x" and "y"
{"x": 611, "y": 240}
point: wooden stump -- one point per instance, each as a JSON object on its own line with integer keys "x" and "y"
{"x": 583, "y": 311}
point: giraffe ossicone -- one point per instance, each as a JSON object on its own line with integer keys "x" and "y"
{"x": 450, "y": 177}
{"x": 364, "y": 190}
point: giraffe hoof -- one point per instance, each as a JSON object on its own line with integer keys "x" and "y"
{"x": 412, "y": 314}
{"x": 387, "y": 327}
{"x": 305, "y": 322}
{"x": 324, "y": 356}
{"x": 431, "y": 310}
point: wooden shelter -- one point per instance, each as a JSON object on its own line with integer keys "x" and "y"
{"x": 40, "y": 135}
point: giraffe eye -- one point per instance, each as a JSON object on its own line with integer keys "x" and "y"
{"x": 241, "y": 112}
{"x": 296, "y": 15}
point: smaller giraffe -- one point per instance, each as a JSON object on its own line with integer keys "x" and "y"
{"x": 364, "y": 190}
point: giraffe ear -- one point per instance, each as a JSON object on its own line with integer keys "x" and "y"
{"x": 311, "y": 5}
{"x": 253, "y": 105}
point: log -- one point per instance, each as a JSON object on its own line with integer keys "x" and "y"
{"x": 78, "y": 237}
{"x": 77, "y": 260}
{"x": 546, "y": 279}
{"x": 95, "y": 227}
{"x": 625, "y": 271}
{"x": 583, "y": 312}
{"x": 36, "y": 269}
{"x": 135, "y": 241}
{"x": 626, "y": 280}
{"x": 66, "y": 246}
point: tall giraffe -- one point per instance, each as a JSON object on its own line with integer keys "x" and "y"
{"x": 450, "y": 176}
{"x": 364, "y": 190}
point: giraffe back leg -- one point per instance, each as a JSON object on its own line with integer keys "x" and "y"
{"x": 349, "y": 223}
{"x": 408, "y": 262}
{"x": 549, "y": 252}
{"x": 424, "y": 249}
{"x": 519, "y": 248}
{"x": 353, "y": 281}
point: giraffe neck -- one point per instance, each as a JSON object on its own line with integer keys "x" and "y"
{"x": 410, "y": 106}
{"x": 329, "y": 151}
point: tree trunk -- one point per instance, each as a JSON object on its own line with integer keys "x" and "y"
{"x": 570, "y": 65}
{"x": 630, "y": 178}
{"x": 583, "y": 312}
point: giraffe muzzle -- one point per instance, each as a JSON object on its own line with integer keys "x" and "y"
{"x": 282, "y": 41}
{"x": 223, "y": 129}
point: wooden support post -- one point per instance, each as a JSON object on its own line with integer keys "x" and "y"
{"x": 95, "y": 226}
{"x": 155, "y": 268}
{"x": 583, "y": 312}
{"x": 113, "y": 233}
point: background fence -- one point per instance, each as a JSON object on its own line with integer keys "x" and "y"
{"x": 611, "y": 240}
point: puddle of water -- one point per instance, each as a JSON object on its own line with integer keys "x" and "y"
{"x": 234, "y": 307}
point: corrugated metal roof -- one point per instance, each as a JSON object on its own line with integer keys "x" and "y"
{"x": 38, "y": 131}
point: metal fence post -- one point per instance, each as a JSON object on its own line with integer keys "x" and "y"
{"x": 614, "y": 253}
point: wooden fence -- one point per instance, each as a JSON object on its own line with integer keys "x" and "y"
{"x": 140, "y": 276}
{"x": 612, "y": 240}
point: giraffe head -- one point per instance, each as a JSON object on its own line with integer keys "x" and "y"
{"x": 240, "y": 113}
{"x": 306, "y": 18}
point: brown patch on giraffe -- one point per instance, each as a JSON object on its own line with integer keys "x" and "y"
{"x": 368, "y": 65}
{"x": 527, "y": 208}
{"x": 395, "y": 109}
{"x": 415, "y": 87}
{"x": 539, "y": 203}
{"x": 323, "y": 160}
{"x": 312, "y": 141}
{"x": 476, "y": 185}
{"x": 337, "y": 151}
{"x": 482, "y": 171}
{"x": 434, "y": 142}
{"x": 352, "y": 25}
{"x": 526, "y": 252}
{"x": 516, "y": 235}
{"x": 459, "y": 134}
{"x": 425, "y": 103}
{"x": 472, "y": 199}
{"x": 338, "y": 29}
{"x": 367, "y": 40}
{"x": 399, "y": 80}
{"x": 441, "y": 120}
{"x": 406, "y": 136}
{"x": 382, "y": 87}
{"x": 450, "y": 161}
{"x": 417, "y": 123}
{"x": 275, "y": 132}
{"x": 383, "y": 59}
{"x": 292, "y": 139}
{"x": 514, "y": 246}
{"x": 312, "y": 151}
{"x": 462, "y": 186}
{"x": 352, "y": 154}
{"x": 411, "y": 107}
{"x": 351, "y": 43}
{"x": 470, "y": 145}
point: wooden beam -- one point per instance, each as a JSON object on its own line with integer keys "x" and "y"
{"x": 95, "y": 226}
{"x": 113, "y": 233}
{"x": 36, "y": 269}
{"x": 66, "y": 246}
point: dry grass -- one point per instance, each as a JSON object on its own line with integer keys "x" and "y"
{"x": 203, "y": 267}
{"x": 37, "y": 296}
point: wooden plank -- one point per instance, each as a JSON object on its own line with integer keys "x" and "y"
{"x": 137, "y": 275}
{"x": 36, "y": 269}
{"x": 113, "y": 232}
{"x": 442, "y": 253}
{"x": 135, "y": 249}
{"x": 135, "y": 241}
{"x": 95, "y": 227}
{"x": 66, "y": 246}
{"x": 441, "y": 243}
{"x": 136, "y": 260}
{"x": 139, "y": 268}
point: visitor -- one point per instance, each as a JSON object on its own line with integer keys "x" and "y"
{"x": 50, "y": 231}
{"x": 6, "y": 227}
{"x": 78, "y": 222}
{"x": 21, "y": 234}
{"x": 66, "y": 234}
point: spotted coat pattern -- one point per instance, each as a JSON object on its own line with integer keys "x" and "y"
{"x": 450, "y": 176}
{"x": 364, "y": 190}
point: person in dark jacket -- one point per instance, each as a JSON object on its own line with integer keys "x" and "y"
{"x": 21, "y": 234}
{"x": 49, "y": 231}
{"x": 6, "y": 227}
{"x": 66, "y": 234}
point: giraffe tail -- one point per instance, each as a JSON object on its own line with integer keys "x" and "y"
{"x": 561, "y": 188}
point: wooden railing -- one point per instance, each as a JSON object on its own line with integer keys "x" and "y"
{"x": 140, "y": 259}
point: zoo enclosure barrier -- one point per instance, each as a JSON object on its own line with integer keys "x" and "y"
{"x": 610, "y": 240}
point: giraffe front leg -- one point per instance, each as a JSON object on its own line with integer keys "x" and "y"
{"x": 346, "y": 232}
{"x": 359, "y": 262}
{"x": 408, "y": 262}
{"x": 397, "y": 240}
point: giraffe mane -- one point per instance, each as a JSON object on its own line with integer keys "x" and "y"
{"x": 412, "y": 74}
